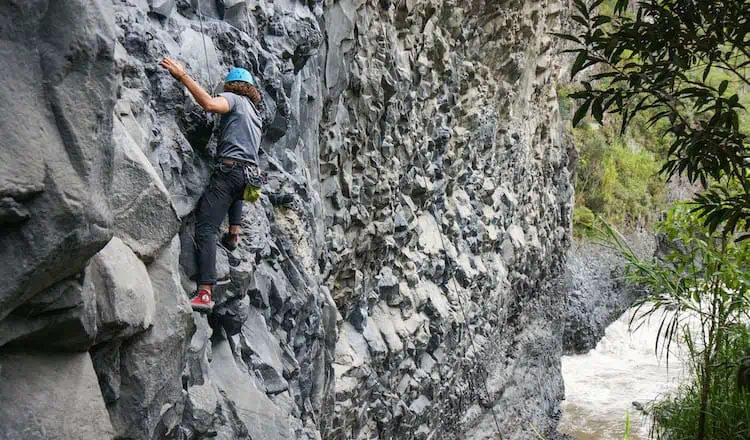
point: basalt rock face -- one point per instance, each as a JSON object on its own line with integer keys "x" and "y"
{"x": 407, "y": 246}
{"x": 447, "y": 186}
{"x": 597, "y": 291}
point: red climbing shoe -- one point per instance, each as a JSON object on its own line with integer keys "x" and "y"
{"x": 201, "y": 302}
{"x": 230, "y": 241}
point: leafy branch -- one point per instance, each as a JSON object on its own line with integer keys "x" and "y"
{"x": 645, "y": 62}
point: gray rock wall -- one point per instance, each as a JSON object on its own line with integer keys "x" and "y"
{"x": 407, "y": 246}
{"x": 597, "y": 290}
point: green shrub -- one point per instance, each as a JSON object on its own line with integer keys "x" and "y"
{"x": 583, "y": 219}
{"x": 676, "y": 416}
{"x": 617, "y": 179}
{"x": 703, "y": 278}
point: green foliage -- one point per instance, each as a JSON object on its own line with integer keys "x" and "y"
{"x": 583, "y": 220}
{"x": 617, "y": 176}
{"x": 676, "y": 416}
{"x": 681, "y": 63}
{"x": 705, "y": 275}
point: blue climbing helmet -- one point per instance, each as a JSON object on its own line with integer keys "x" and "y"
{"x": 240, "y": 74}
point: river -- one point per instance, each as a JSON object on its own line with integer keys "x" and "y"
{"x": 601, "y": 385}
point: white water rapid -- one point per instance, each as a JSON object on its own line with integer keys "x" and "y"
{"x": 601, "y": 385}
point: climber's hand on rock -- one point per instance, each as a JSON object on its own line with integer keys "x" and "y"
{"x": 173, "y": 67}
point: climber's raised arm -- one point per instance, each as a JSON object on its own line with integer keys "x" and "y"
{"x": 210, "y": 104}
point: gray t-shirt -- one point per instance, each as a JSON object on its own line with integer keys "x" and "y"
{"x": 239, "y": 130}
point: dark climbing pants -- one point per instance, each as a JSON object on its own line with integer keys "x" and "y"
{"x": 224, "y": 194}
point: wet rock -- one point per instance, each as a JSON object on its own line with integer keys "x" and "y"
{"x": 596, "y": 294}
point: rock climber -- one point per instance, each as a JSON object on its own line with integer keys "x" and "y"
{"x": 236, "y": 167}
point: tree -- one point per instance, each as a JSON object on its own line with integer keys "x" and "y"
{"x": 678, "y": 61}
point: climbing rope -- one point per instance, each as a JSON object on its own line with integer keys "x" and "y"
{"x": 205, "y": 49}
{"x": 247, "y": 16}
{"x": 439, "y": 219}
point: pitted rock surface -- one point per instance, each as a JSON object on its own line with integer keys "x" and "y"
{"x": 408, "y": 243}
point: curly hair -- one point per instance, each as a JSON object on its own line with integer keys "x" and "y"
{"x": 243, "y": 89}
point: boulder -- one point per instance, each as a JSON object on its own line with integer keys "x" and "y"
{"x": 55, "y": 160}
{"x": 62, "y": 317}
{"x": 151, "y": 399}
{"x": 145, "y": 218}
{"x": 263, "y": 419}
{"x": 124, "y": 295}
{"x": 51, "y": 396}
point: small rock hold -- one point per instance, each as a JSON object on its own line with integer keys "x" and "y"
{"x": 388, "y": 287}
{"x": 420, "y": 405}
{"x": 163, "y": 7}
{"x": 12, "y": 212}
